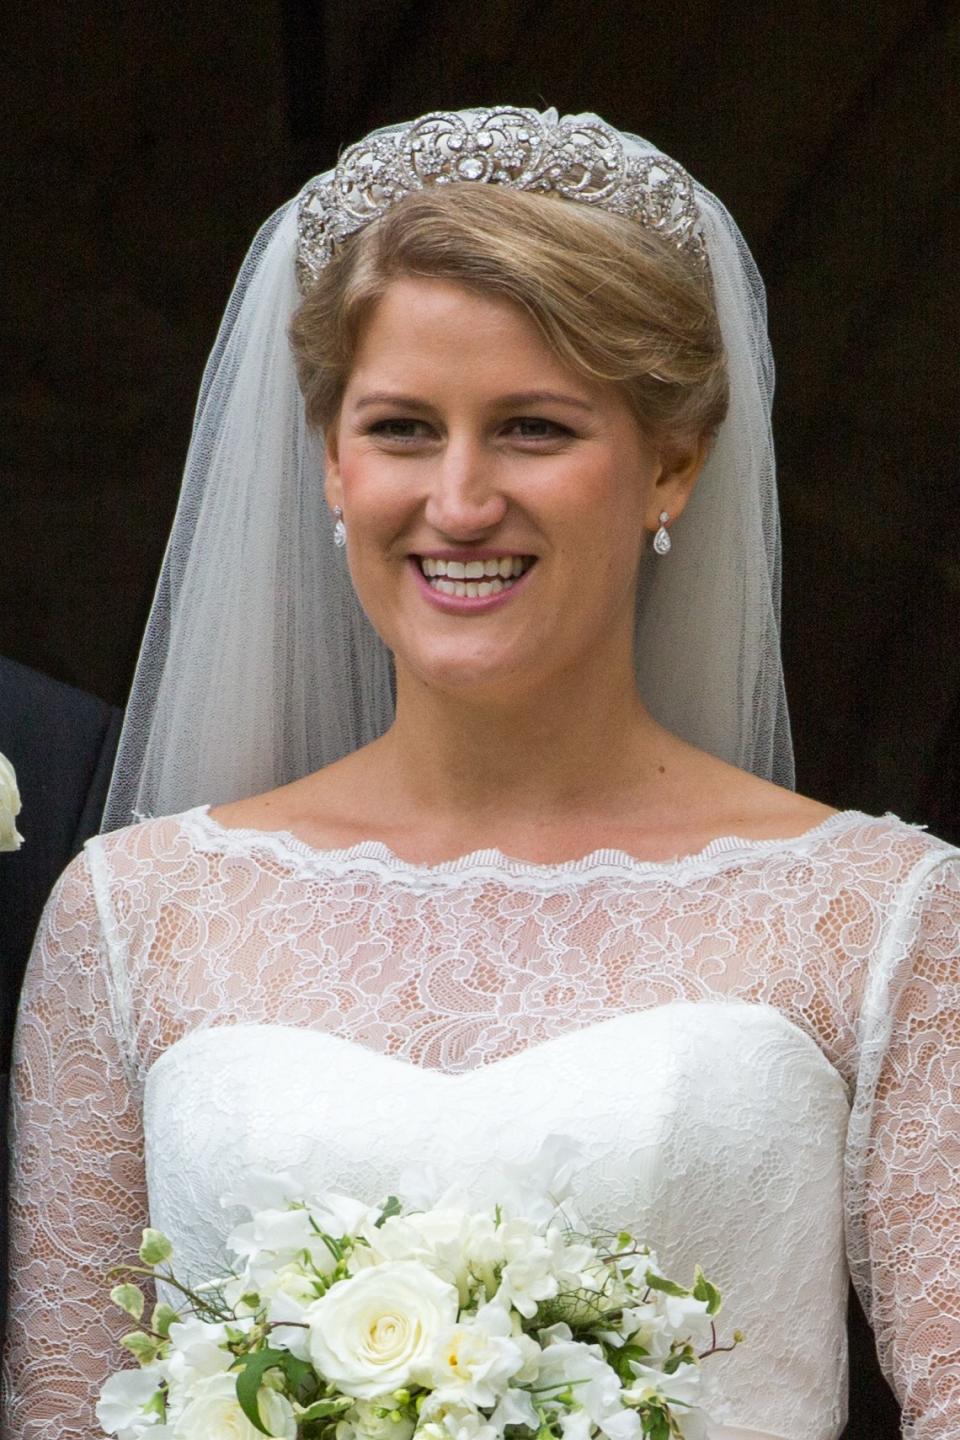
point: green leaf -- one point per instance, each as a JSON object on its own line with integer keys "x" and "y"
{"x": 665, "y": 1286}
{"x": 162, "y": 1318}
{"x": 391, "y": 1208}
{"x": 155, "y": 1247}
{"x": 140, "y": 1345}
{"x": 299, "y": 1375}
{"x": 156, "y": 1405}
{"x": 249, "y": 1379}
{"x": 703, "y": 1290}
{"x": 321, "y": 1409}
{"x": 621, "y": 1360}
{"x": 129, "y": 1298}
{"x": 301, "y": 1379}
{"x": 656, "y": 1425}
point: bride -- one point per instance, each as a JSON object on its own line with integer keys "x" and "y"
{"x": 523, "y": 856}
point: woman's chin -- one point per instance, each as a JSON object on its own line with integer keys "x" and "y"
{"x": 483, "y": 678}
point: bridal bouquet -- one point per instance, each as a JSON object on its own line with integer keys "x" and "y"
{"x": 346, "y": 1322}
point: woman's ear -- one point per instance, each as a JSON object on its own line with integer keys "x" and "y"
{"x": 332, "y": 486}
{"x": 681, "y": 460}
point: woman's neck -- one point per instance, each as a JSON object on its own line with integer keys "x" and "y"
{"x": 559, "y": 751}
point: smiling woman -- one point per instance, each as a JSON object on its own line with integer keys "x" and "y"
{"x": 514, "y": 460}
{"x": 504, "y": 843}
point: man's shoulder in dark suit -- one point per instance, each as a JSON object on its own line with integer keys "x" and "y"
{"x": 61, "y": 742}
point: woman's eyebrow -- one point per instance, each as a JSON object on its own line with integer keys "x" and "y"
{"x": 518, "y": 399}
{"x": 389, "y": 397}
{"x": 544, "y": 397}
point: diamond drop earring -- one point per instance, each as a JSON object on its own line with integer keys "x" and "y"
{"x": 661, "y": 541}
{"x": 339, "y": 529}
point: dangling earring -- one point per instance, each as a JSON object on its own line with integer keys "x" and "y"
{"x": 339, "y": 529}
{"x": 661, "y": 541}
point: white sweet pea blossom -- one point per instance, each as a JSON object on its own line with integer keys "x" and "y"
{"x": 213, "y": 1412}
{"x": 597, "y": 1390}
{"x": 274, "y": 1238}
{"x": 10, "y": 806}
{"x": 516, "y": 1407}
{"x": 682, "y": 1388}
{"x": 289, "y": 1316}
{"x": 122, "y": 1398}
{"x": 372, "y": 1333}
{"x": 264, "y": 1190}
{"x": 686, "y": 1315}
{"x": 198, "y": 1352}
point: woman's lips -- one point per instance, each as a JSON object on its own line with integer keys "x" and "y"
{"x": 467, "y": 604}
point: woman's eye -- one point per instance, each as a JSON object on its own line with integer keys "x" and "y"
{"x": 532, "y": 428}
{"x": 399, "y": 429}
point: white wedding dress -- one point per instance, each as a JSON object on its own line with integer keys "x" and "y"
{"x": 742, "y": 1043}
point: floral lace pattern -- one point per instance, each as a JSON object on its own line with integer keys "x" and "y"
{"x": 852, "y": 932}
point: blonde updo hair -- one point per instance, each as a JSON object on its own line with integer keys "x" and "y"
{"x": 615, "y": 300}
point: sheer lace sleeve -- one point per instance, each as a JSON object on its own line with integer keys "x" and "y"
{"x": 905, "y": 1142}
{"x": 77, "y": 1188}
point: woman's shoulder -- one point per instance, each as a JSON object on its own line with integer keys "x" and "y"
{"x": 161, "y": 838}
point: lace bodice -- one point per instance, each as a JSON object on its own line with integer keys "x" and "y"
{"x": 851, "y": 932}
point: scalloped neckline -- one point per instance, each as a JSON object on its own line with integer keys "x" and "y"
{"x": 381, "y": 855}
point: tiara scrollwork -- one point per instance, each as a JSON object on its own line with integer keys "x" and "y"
{"x": 582, "y": 160}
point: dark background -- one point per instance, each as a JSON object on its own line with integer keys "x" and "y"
{"x": 143, "y": 144}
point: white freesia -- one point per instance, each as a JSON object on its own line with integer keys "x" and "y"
{"x": 372, "y": 1333}
{"x": 474, "y": 1361}
{"x": 213, "y": 1412}
{"x": 10, "y": 807}
{"x": 122, "y": 1398}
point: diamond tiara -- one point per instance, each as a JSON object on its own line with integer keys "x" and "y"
{"x": 582, "y": 160}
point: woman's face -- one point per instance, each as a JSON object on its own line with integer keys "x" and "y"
{"x": 496, "y": 502}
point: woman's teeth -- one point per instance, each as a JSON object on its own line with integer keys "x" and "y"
{"x": 474, "y": 578}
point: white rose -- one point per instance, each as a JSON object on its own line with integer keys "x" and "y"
{"x": 214, "y": 1412}
{"x": 373, "y": 1333}
{"x": 10, "y": 807}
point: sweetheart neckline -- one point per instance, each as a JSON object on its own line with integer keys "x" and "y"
{"x": 202, "y": 1036}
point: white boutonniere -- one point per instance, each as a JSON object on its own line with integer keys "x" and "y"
{"x": 10, "y": 839}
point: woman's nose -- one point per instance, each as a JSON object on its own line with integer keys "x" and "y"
{"x": 465, "y": 499}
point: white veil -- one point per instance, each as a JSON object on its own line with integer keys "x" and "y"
{"x": 258, "y": 665}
